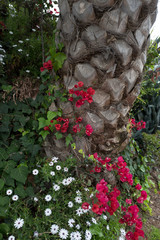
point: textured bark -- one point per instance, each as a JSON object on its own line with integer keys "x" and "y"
{"x": 105, "y": 43}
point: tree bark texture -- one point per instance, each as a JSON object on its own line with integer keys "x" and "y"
{"x": 106, "y": 45}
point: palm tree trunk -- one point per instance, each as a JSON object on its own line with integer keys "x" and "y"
{"x": 106, "y": 45}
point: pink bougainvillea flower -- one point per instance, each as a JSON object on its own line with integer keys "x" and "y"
{"x": 138, "y": 186}
{"x": 89, "y": 129}
{"x": 58, "y": 127}
{"x": 80, "y": 84}
{"x": 85, "y": 205}
{"x": 129, "y": 201}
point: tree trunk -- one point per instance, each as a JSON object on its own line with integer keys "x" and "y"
{"x": 106, "y": 45}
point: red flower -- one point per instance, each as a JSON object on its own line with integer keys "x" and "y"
{"x": 138, "y": 186}
{"x": 89, "y": 129}
{"x": 80, "y": 84}
{"x": 95, "y": 208}
{"x": 79, "y": 103}
{"x": 51, "y": 121}
{"x": 71, "y": 91}
{"x": 144, "y": 194}
{"x": 46, "y": 128}
{"x": 97, "y": 169}
{"x": 70, "y": 99}
{"x": 130, "y": 235}
{"x": 90, "y": 91}
{"x": 58, "y": 127}
{"x": 109, "y": 168}
{"x": 129, "y": 201}
{"x": 59, "y": 119}
{"x": 42, "y": 69}
{"x": 85, "y": 205}
{"x": 63, "y": 129}
{"x": 79, "y": 119}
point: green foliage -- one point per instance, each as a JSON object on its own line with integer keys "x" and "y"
{"x": 154, "y": 234}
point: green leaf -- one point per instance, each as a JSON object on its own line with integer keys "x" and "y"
{"x": 96, "y": 230}
{"x": 43, "y": 122}
{"x": 20, "y": 191}
{"x": 51, "y": 115}
{"x": 4, "y": 201}
{"x": 68, "y": 139}
{"x": 1, "y": 183}
{"x": 58, "y": 135}
{"x": 1, "y": 236}
{"x": 44, "y": 134}
{"x": 9, "y": 166}
{"x": 20, "y": 174}
{"x": 30, "y": 191}
{"x": 59, "y": 59}
{"x": 4, "y": 228}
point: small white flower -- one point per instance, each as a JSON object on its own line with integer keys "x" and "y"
{"x": 54, "y": 159}
{"x": 121, "y": 238}
{"x": 27, "y": 55}
{"x": 35, "y": 234}
{"x": 48, "y": 198}
{"x": 35, "y": 199}
{"x": 20, "y": 50}
{"x": 11, "y": 237}
{"x": 54, "y": 229}
{"x": 20, "y": 41}
{"x": 72, "y": 236}
{"x": 27, "y": 39}
{"x": 123, "y": 232}
{"x": 34, "y": 30}
{"x": 37, "y": 26}
{"x": 88, "y": 223}
{"x": 88, "y": 235}
{"x": 58, "y": 167}
{"x": 51, "y": 164}
{"x": 9, "y": 192}
{"x": 91, "y": 195}
{"x": 15, "y": 197}
{"x": 86, "y": 189}
{"x": 104, "y": 217}
{"x": 70, "y": 204}
{"x": 71, "y": 222}
{"x": 28, "y": 71}
{"x": 10, "y": 32}
{"x": 52, "y": 173}
{"x": 65, "y": 182}
{"x": 18, "y": 223}
{"x": 107, "y": 227}
{"x": 78, "y": 199}
{"x": 48, "y": 212}
{"x": 78, "y": 226}
{"x": 56, "y": 187}
{"x": 35, "y": 172}
{"x": 0, "y": 46}
{"x": 79, "y": 211}
{"x": 63, "y": 233}
{"x": 78, "y": 193}
{"x": 77, "y": 236}
{"x": 94, "y": 220}
{"x": 65, "y": 169}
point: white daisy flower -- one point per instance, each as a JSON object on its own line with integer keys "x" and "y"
{"x": 20, "y": 50}
{"x": 107, "y": 227}
{"x": 54, "y": 229}
{"x": 72, "y": 236}
{"x": 15, "y": 197}
{"x": 52, "y": 173}
{"x": 51, "y": 164}
{"x": 65, "y": 169}
{"x": 91, "y": 195}
{"x": 34, "y": 30}
{"x": 20, "y": 41}
{"x": 48, "y": 212}
{"x": 77, "y": 236}
{"x": 58, "y": 167}
{"x": 88, "y": 235}
{"x": 78, "y": 226}
{"x": 63, "y": 233}
{"x": 78, "y": 199}
{"x": 86, "y": 189}
{"x": 121, "y": 238}
{"x": 11, "y": 237}
{"x": 28, "y": 71}
{"x": 65, "y": 182}
{"x": 48, "y": 198}
{"x": 10, "y": 32}
{"x": 70, "y": 204}
{"x": 35, "y": 199}
{"x": 18, "y": 223}
{"x": 78, "y": 192}
{"x": 94, "y": 220}
{"x": 35, "y": 172}
{"x": 9, "y": 192}
{"x": 88, "y": 223}
{"x": 71, "y": 222}
{"x": 79, "y": 211}
{"x": 35, "y": 234}
{"x": 123, "y": 232}
{"x": 56, "y": 187}
{"x": 27, "y": 39}
{"x": 54, "y": 159}
{"x": 104, "y": 217}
